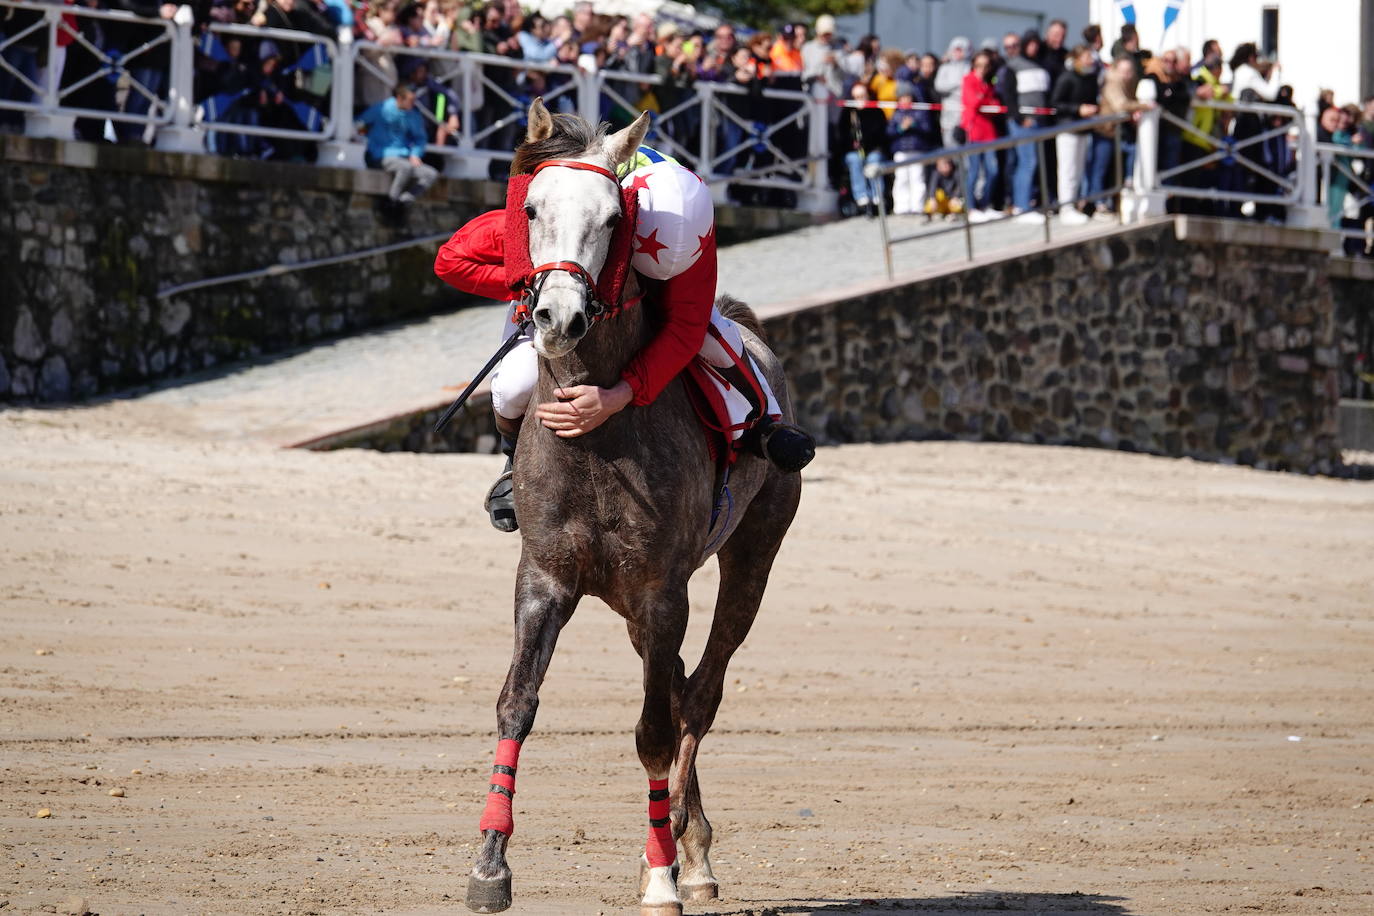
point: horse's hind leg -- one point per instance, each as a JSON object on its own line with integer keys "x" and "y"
{"x": 745, "y": 562}
{"x": 542, "y": 607}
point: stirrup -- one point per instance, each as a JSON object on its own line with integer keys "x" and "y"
{"x": 500, "y": 501}
{"x": 788, "y": 446}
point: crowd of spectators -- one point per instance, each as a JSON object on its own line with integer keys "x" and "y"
{"x": 1029, "y": 81}
{"x": 890, "y": 105}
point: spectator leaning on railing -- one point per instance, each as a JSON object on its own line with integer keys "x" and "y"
{"x": 1074, "y": 98}
{"x": 979, "y": 127}
{"x": 1024, "y": 84}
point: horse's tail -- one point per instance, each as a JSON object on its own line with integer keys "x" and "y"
{"x": 740, "y": 314}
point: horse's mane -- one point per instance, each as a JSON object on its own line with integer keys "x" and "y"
{"x": 572, "y": 137}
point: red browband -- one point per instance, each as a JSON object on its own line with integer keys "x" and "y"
{"x": 580, "y": 166}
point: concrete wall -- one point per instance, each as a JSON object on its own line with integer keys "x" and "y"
{"x": 89, "y": 234}
{"x": 1203, "y": 338}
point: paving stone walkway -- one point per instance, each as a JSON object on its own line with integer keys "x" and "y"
{"x": 361, "y": 379}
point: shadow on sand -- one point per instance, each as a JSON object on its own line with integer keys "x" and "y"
{"x": 971, "y": 904}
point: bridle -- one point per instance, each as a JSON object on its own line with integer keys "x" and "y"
{"x": 596, "y": 309}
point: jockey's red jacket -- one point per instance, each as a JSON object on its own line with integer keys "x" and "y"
{"x": 473, "y": 260}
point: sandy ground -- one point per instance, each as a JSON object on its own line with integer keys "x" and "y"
{"x": 985, "y": 679}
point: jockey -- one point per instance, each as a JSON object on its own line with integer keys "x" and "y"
{"x": 675, "y": 243}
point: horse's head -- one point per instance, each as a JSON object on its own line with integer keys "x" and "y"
{"x": 572, "y": 213}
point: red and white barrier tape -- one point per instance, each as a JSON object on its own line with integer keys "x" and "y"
{"x": 936, "y": 106}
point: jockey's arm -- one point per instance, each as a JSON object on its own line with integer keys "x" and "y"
{"x": 473, "y": 260}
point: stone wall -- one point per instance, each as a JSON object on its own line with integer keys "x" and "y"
{"x": 1182, "y": 337}
{"x": 1352, "y": 291}
{"x": 89, "y": 234}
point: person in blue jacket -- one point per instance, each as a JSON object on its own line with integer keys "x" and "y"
{"x": 395, "y": 141}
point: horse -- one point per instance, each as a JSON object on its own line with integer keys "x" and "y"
{"x": 624, "y": 513}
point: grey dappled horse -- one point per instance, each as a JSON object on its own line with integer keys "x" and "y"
{"x": 624, "y": 513}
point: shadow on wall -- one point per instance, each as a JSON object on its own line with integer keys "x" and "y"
{"x": 955, "y": 905}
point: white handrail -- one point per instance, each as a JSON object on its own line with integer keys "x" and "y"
{"x": 47, "y": 115}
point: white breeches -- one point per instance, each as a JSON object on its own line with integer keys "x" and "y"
{"x": 514, "y": 379}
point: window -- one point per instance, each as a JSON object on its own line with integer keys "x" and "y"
{"x": 1269, "y": 31}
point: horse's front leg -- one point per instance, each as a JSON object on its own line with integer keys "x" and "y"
{"x": 663, "y": 623}
{"x": 542, "y": 607}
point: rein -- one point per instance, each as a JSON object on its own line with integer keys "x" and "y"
{"x": 597, "y": 310}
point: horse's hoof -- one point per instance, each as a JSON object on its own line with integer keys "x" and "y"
{"x": 660, "y": 909}
{"x": 490, "y": 895}
{"x": 698, "y": 893}
{"x": 644, "y": 875}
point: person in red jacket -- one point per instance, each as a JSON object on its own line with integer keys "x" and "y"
{"x": 674, "y": 243}
{"x": 979, "y": 127}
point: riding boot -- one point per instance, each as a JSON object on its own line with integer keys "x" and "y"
{"x": 788, "y": 446}
{"x": 500, "y": 500}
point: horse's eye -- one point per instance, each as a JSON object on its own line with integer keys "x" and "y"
{"x": 612, "y": 219}
{"x": 529, "y": 211}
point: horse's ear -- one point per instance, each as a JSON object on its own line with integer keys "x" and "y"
{"x": 541, "y": 122}
{"x": 622, "y": 144}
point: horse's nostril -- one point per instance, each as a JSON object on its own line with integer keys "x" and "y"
{"x": 577, "y": 327}
{"x": 543, "y": 318}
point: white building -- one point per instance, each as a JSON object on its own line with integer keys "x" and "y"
{"x": 928, "y": 25}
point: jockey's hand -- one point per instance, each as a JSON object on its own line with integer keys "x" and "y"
{"x": 582, "y": 408}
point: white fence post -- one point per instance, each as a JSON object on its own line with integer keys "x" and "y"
{"x": 818, "y": 197}
{"x": 340, "y": 150}
{"x": 50, "y": 122}
{"x": 1307, "y": 214}
{"x": 179, "y": 136}
{"x": 1145, "y": 199}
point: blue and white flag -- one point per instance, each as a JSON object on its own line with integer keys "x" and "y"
{"x": 310, "y": 60}
{"x": 310, "y": 119}
{"x": 1171, "y": 8}
{"x": 217, "y": 106}
{"x": 1127, "y": 8}
{"x": 212, "y": 47}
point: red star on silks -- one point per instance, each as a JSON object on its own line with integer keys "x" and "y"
{"x": 702, "y": 240}
{"x": 650, "y": 245}
{"x": 641, "y": 183}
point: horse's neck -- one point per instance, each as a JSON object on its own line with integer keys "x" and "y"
{"x": 603, "y": 354}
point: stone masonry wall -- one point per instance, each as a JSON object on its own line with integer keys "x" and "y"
{"x": 1205, "y": 346}
{"x": 89, "y": 234}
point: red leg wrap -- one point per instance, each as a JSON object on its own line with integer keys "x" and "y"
{"x": 660, "y": 849}
{"x": 497, "y": 815}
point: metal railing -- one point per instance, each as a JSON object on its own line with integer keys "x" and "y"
{"x": 961, "y": 155}
{"x": 1348, "y": 171}
{"x": 82, "y": 77}
{"x": 775, "y": 138}
{"x": 307, "y": 95}
{"x": 1240, "y": 155}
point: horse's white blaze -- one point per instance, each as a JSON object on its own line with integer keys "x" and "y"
{"x": 659, "y": 889}
{"x": 573, "y": 211}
